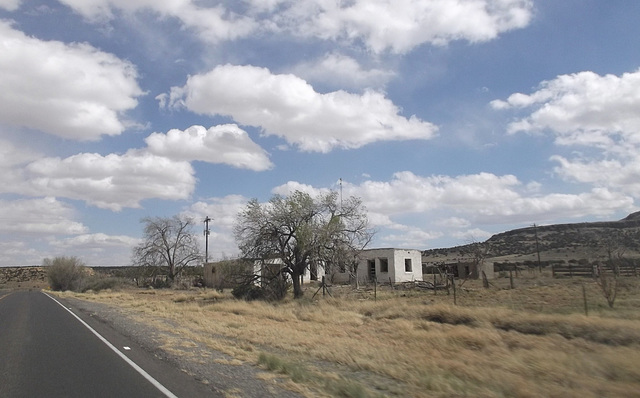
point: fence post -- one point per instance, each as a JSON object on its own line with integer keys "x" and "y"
{"x": 584, "y": 298}
{"x": 435, "y": 287}
{"x": 511, "y": 279}
{"x": 375, "y": 288}
{"x": 453, "y": 283}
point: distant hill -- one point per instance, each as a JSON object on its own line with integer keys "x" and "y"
{"x": 594, "y": 240}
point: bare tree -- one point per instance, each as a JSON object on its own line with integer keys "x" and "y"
{"x": 608, "y": 284}
{"x": 479, "y": 251}
{"x": 615, "y": 248}
{"x": 168, "y": 242}
{"x": 300, "y": 229}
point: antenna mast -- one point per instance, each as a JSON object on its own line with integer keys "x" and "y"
{"x": 340, "y": 194}
{"x": 206, "y": 239}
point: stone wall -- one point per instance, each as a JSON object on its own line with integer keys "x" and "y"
{"x": 22, "y": 274}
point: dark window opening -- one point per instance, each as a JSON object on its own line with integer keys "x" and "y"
{"x": 407, "y": 265}
{"x": 384, "y": 265}
{"x": 371, "y": 265}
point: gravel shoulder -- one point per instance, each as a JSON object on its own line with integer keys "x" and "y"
{"x": 220, "y": 372}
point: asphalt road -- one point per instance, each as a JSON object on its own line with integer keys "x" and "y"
{"x": 45, "y": 351}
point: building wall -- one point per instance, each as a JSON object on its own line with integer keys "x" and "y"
{"x": 227, "y": 273}
{"x": 338, "y": 277}
{"x": 460, "y": 269}
{"x": 396, "y": 261}
{"x": 487, "y": 267}
{"x": 211, "y": 277}
{"x": 396, "y": 272}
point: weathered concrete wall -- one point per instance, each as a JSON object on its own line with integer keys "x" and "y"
{"x": 396, "y": 271}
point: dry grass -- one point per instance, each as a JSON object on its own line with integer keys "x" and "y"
{"x": 531, "y": 341}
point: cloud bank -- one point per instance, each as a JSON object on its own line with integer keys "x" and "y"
{"x": 288, "y": 107}
{"x": 73, "y": 91}
{"x": 597, "y": 115}
{"x": 381, "y": 25}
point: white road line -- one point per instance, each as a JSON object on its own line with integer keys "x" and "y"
{"x": 5, "y": 295}
{"x": 144, "y": 374}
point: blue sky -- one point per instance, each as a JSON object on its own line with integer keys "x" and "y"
{"x": 452, "y": 120}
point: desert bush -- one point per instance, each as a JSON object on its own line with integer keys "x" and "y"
{"x": 65, "y": 273}
{"x": 247, "y": 292}
{"x": 345, "y": 388}
{"x": 97, "y": 283}
{"x": 276, "y": 364}
{"x": 609, "y": 332}
{"x": 272, "y": 287}
{"x": 183, "y": 298}
{"x": 608, "y": 285}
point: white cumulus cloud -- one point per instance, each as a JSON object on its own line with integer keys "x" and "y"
{"x": 343, "y": 71}
{"x": 98, "y": 242}
{"x": 70, "y": 90}
{"x": 213, "y": 24}
{"x": 583, "y": 102}
{"x": 10, "y": 5}
{"x": 40, "y": 216}
{"x": 112, "y": 181}
{"x": 288, "y": 107}
{"x": 593, "y": 112}
{"x": 225, "y": 144}
{"x": 398, "y": 25}
{"x": 481, "y": 198}
{"x": 381, "y": 25}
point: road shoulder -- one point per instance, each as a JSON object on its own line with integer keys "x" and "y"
{"x": 219, "y": 375}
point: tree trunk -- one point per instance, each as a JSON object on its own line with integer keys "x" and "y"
{"x": 297, "y": 287}
{"x": 172, "y": 272}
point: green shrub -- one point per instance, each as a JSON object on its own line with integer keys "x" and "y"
{"x": 297, "y": 372}
{"x": 345, "y": 388}
{"x": 248, "y": 292}
{"x": 97, "y": 283}
{"x": 65, "y": 273}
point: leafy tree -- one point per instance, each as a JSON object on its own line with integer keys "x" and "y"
{"x": 300, "y": 229}
{"x": 168, "y": 242}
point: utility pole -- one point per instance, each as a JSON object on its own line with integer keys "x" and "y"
{"x": 206, "y": 239}
{"x": 340, "y": 193}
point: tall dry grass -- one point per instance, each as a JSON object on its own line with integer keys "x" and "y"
{"x": 533, "y": 341}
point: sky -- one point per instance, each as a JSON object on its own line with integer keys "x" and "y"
{"x": 452, "y": 120}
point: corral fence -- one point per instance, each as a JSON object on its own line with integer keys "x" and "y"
{"x": 520, "y": 267}
{"x": 626, "y": 267}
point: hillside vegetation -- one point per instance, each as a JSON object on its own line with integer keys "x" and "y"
{"x": 558, "y": 242}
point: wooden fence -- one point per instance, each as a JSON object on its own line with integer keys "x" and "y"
{"x": 591, "y": 270}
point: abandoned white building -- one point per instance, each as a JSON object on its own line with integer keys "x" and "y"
{"x": 460, "y": 269}
{"x": 389, "y": 265}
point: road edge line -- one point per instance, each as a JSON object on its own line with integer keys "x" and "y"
{"x": 134, "y": 365}
{"x": 8, "y": 294}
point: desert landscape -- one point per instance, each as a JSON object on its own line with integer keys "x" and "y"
{"x": 525, "y": 333}
{"x": 537, "y": 339}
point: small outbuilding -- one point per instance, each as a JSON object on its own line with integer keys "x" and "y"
{"x": 390, "y": 265}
